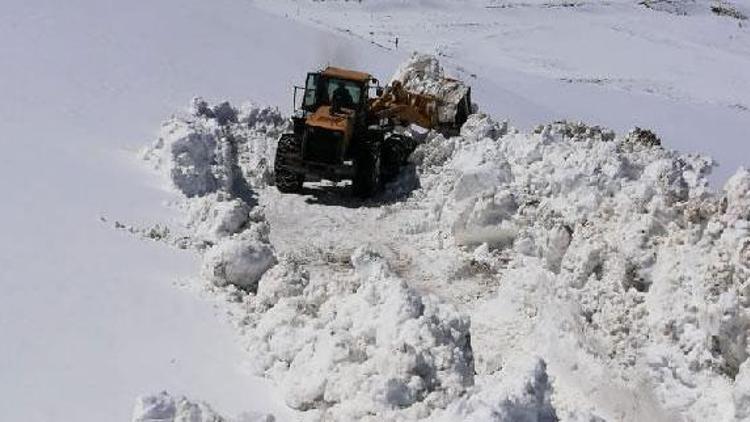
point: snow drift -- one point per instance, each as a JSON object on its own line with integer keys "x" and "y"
{"x": 203, "y": 154}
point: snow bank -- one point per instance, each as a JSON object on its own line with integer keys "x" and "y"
{"x": 217, "y": 156}
{"x": 240, "y": 260}
{"x": 637, "y": 260}
{"x": 360, "y": 347}
{"x": 204, "y": 150}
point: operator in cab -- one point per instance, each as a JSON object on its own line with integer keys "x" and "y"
{"x": 341, "y": 98}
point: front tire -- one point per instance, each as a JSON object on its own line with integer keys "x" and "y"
{"x": 366, "y": 181}
{"x": 395, "y": 152}
{"x": 287, "y": 180}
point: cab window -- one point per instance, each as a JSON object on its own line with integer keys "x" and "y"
{"x": 309, "y": 100}
{"x": 347, "y": 92}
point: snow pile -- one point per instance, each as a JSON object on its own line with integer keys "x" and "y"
{"x": 513, "y": 397}
{"x": 361, "y": 347}
{"x": 215, "y": 216}
{"x": 164, "y": 407}
{"x": 615, "y": 247}
{"x": 204, "y": 150}
{"x": 217, "y": 156}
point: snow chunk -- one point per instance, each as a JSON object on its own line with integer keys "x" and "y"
{"x": 165, "y": 408}
{"x": 191, "y": 156}
{"x": 609, "y": 257}
{"x": 214, "y": 217}
{"x": 525, "y": 397}
{"x": 737, "y": 191}
{"x": 479, "y": 126}
{"x": 240, "y": 260}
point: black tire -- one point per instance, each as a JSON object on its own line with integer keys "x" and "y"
{"x": 366, "y": 181}
{"x": 395, "y": 152}
{"x": 287, "y": 181}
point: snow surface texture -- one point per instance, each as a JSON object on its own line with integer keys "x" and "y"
{"x": 618, "y": 281}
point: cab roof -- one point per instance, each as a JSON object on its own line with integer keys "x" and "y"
{"x": 346, "y": 74}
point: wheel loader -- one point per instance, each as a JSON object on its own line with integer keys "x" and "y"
{"x": 348, "y": 127}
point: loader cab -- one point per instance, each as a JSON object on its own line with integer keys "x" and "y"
{"x": 337, "y": 88}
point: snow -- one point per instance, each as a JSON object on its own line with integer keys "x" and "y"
{"x": 521, "y": 270}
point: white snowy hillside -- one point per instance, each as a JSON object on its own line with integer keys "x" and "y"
{"x": 566, "y": 273}
{"x": 89, "y": 316}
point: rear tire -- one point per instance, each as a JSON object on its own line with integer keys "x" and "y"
{"x": 366, "y": 181}
{"x": 287, "y": 180}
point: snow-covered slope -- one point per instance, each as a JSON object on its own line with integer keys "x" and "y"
{"x": 89, "y": 318}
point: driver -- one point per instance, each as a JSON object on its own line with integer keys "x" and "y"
{"x": 341, "y": 98}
